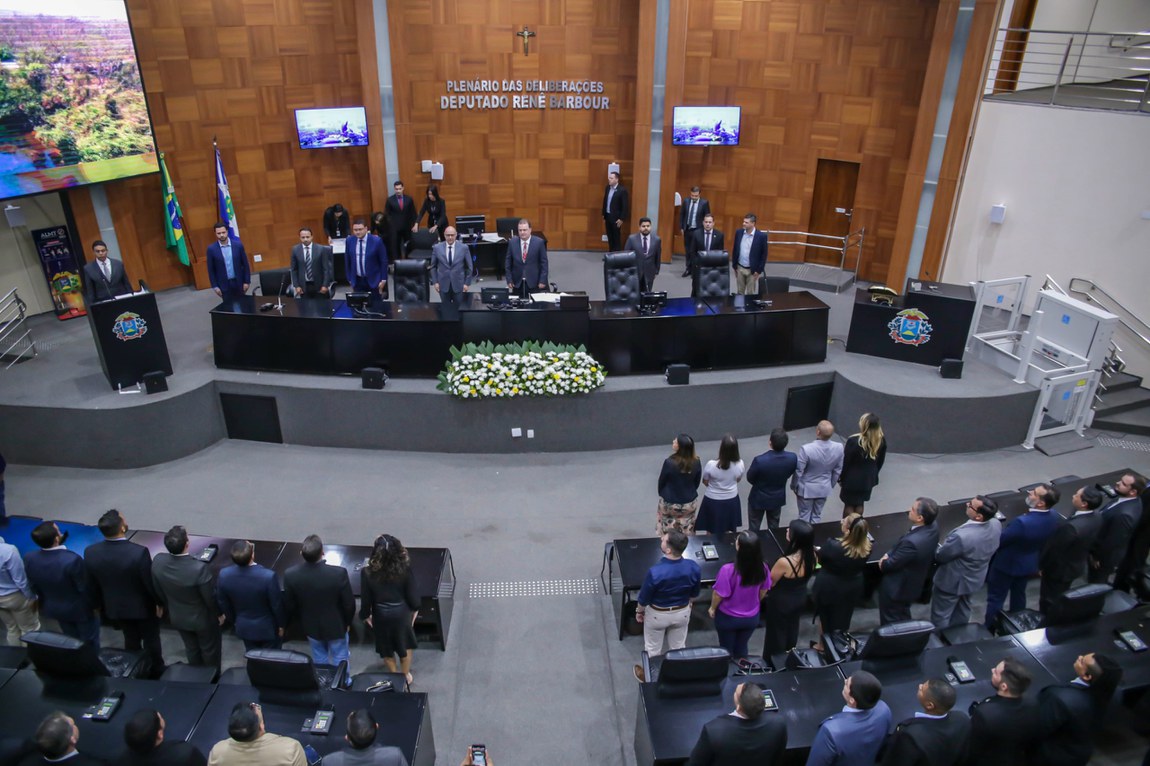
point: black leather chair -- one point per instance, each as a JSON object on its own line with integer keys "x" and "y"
{"x": 270, "y": 281}
{"x": 712, "y": 275}
{"x": 621, "y": 276}
{"x": 411, "y": 281}
{"x": 692, "y": 672}
{"x": 769, "y": 285}
{"x": 55, "y": 654}
{"x": 420, "y": 244}
{"x": 508, "y": 226}
{"x": 898, "y": 639}
{"x": 1076, "y": 605}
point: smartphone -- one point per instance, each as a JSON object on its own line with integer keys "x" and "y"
{"x": 960, "y": 669}
{"x": 209, "y": 553}
{"x": 1130, "y": 638}
{"x": 479, "y": 755}
{"x": 710, "y": 553}
{"x": 769, "y": 700}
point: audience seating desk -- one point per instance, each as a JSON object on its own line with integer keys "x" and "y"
{"x": 1057, "y": 648}
{"x": 267, "y": 552}
{"x": 404, "y": 720}
{"x": 666, "y": 729}
{"x": 630, "y": 560}
{"x": 312, "y": 335}
{"x": 29, "y": 696}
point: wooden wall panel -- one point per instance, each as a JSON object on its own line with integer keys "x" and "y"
{"x": 548, "y": 165}
{"x": 815, "y": 79}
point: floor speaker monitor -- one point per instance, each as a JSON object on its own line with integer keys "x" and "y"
{"x": 374, "y": 377}
{"x": 950, "y": 368}
{"x": 678, "y": 374}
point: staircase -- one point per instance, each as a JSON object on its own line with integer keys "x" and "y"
{"x": 1123, "y": 405}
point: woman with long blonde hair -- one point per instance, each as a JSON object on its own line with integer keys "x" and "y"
{"x": 839, "y": 582}
{"x": 863, "y": 456}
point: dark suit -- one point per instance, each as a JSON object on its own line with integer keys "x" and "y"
{"x": 1064, "y": 557}
{"x": 336, "y": 228}
{"x": 99, "y": 288}
{"x": 701, "y": 209}
{"x": 1118, "y": 523}
{"x": 768, "y": 476}
{"x": 904, "y": 572}
{"x": 122, "y": 574}
{"x": 730, "y": 741}
{"x": 322, "y": 269}
{"x": 650, "y": 261}
{"x": 79, "y": 759}
{"x": 700, "y": 241}
{"x": 1067, "y": 720}
{"x": 929, "y": 741}
{"x": 534, "y": 269}
{"x": 169, "y": 753}
{"x": 250, "y": 598}
{"x": 60, "y": 580}
{"x": 374, "y": 268}
{"x": 185, "y": 589}
{"x": 319, "y": 596}
{"x": 1017, "y": 560}
{"x": 400, "y": 219}
{"x": 1002, "y": 731}
{"x": 616, "y": 207}
{"x": 1129, "y": 576}
{"x": 218, "y": 270}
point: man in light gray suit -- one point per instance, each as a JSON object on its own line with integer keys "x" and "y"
{"x": 312, "y": 271}
{"x": 451, "y": 270}
{"x": 648, "y": 250}
{"x": 819, "y": 466}
{"x": 963, "y": 559}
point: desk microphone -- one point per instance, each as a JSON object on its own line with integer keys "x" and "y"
{"x": 280, "y": 293}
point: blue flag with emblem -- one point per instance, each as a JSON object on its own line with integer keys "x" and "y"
{"x": 224, "y": 199}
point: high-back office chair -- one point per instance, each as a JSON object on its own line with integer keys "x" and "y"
{"x": 412, "y": 281}
{"x": 55, "y": 654}
{"x": 697, "y": 671}
{"x": 770, "y": 285}
{"x": 896, "y": 639}
{"x": 1076, "y": 605}
{"x": 271, "y": 281}
{"x": 621, "y": 276}
{"x": 420, "y": 244}
{"x": 286, "y": 677}
{"x": 508, "y": 226}
{"x": 712, "y": 275}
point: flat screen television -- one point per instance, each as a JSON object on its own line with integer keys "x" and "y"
{"x": 72, "y": 107}
{"x": 705, "y": 126}
{"x": 331, "y": 128}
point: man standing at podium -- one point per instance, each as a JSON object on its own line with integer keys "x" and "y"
{"x": 526, "y": 260}
{"x": 228, "y": 269}
{"x": 104, "y": 278}
{"x": 311, "y": 267}
{"x": 748, "y": 256}
{"x": 366, "y": 260}
{"x": 648, "y": 250}
{"x": 706, "y": 238}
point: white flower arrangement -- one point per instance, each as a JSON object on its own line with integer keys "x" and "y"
{"x": 479, "y": 371}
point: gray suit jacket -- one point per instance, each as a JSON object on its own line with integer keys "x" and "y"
{"x": 649, "y": 265}
{"x": 185, "y": 588}
{"x": 322, "y": 267}
{"x": 454, "y": 275}
{"x": 965, "y": 555}
{"x": 384, "y": 755}
{"x": 820, "y": 463}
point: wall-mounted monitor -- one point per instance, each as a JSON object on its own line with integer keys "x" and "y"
{"x": 331, "y": 128}
{"x": 705, "y": 126}
{"x": 72, "y": 107}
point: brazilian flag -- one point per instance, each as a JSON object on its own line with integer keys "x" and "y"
{"x": 173, "y": 227}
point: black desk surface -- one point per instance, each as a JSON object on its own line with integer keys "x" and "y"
{"x": 267, "y": 551}
{"x": 6, "y": 675}
{"x": 27, "y": 698}
{"x": 400, "y": 718}
{"x": 637, "y": 555}
{"x": 1058, "y": 648}
{"x": 901, "y": 676}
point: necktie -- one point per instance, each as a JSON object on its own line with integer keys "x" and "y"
{"x": 398, "y": 197}
{"x": 644, "y": 244}
{"x": 106, "y": 269}
{"x": 307, "y": 262}
{"x": 691, "y": 217}
{"x": 359, "y": 268}
{"x": 708, "y": 246}
{"x": 450, "y": 254}
{"x": 524, "y": 250}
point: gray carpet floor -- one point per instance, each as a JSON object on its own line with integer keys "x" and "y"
{"x": 539, "y": 679}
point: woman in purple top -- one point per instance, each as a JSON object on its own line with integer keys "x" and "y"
{"x": 739, "y": 589}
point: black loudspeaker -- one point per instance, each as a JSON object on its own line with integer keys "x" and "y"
{"x": 374, "y": 377}
{"x": 155, "y": 382}
{"x": 950, "y": 368}
{"x": 678, "y": 374}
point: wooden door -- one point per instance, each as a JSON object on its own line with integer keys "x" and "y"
{"x": 831, "y": 205}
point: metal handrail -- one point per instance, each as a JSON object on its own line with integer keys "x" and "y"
{"x": 844, "y": 243}
{"x": 13, "y": 311}
{"x": 1142, "y": 334}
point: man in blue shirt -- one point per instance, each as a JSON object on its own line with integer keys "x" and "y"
{"x": 854, "y": 736}
{"x": 17, "y": 601}
{"x": 665, "y": 599}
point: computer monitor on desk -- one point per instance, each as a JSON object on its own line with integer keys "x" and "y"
{"x": 470, "y": 227}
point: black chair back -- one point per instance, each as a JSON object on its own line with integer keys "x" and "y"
{"x": 508, "y": 226}
{"x": 898, "y": 639}
{"x": 621, "y": 276}
{"x": 769, "y": 285}
{"x": 422, "y": 240}
{"x": 412, "y": 280}
{"x": 271, "y": 281}
{"x": 59, "y": 655}
{"x": 1078, "y": 604}
{"x": 712, "y": 275}
{"x": 693, "y": 672}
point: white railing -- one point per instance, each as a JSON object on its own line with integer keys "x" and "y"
{"x": 15, "y": 338}
{"x": 1101, "y": 70}
{"x": 840, "y": 245}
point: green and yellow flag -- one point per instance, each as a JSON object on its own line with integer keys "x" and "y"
{"x": 173, "y": 227}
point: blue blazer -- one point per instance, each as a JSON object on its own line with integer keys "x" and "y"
{"x": 60, "y": 581}
{"x": 251, "y": 599}
{"x": 535, "y": 269}
{"x": 851, "y": 739}
{"x": 768, "y": 475}
{"x": 374, "y": 260}
{"x": 758, "y": 250}
{"x": 218, "y": 270}
{"x": 1022, "y": 541}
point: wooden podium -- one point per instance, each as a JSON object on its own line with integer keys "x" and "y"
{"x": 130, "y": 338}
